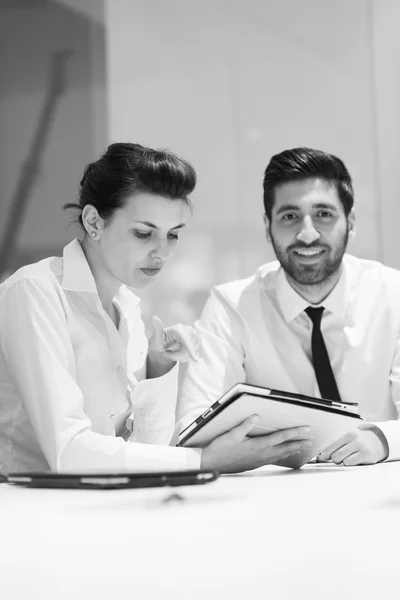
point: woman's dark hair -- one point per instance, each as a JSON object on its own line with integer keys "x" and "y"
{"x": 126, "y": 169}
{"x": 299, "y": 164}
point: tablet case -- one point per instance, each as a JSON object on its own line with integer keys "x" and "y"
{"x": 277, "y": 410}
{"x": 111, "y": 481}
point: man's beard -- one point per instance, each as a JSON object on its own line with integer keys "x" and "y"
{"x": 311, "y": 274}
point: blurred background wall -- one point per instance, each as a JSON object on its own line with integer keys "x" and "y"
{"x": 224, "y": 83}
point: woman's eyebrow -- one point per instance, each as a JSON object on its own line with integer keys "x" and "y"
{"x": 148, "y": 224}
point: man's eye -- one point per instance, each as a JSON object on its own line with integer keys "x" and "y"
{"x": 141, "y": 235}
{"x": 324, "y": 214}
{"x": 289, "y": 217}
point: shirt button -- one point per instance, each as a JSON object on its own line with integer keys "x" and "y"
{"x": 120, "y": 370}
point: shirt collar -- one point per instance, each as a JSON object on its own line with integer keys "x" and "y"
{"x": 127, "y": 300}
{"x": 292, "y": 304}
{"x": 337, "y": 301}
{"x": 77, "y": 277}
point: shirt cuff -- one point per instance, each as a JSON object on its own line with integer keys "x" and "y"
{"x": 391, "y": 431}
{"x": 163, "y": 387}
{"x": 142, "y": 458}
{"x": 154, "y": 406}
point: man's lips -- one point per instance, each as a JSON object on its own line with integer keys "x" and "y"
{"x": 308, "y": 254}
{"x": 308, "y": 251}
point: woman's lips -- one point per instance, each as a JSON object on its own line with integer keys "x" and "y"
{"x": 151, "y": 271}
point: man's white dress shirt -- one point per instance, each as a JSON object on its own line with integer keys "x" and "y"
{"x": 256, "y": 331}
{"x": 71, "y": 384}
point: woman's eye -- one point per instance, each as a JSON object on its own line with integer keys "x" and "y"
{"x": 173, "y": 236}
{"x": 141, "y": 235}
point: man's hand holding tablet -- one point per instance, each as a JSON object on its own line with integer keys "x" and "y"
{"x": 234, "y": 451}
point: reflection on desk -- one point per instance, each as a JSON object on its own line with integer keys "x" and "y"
{"x": 324, "y": 532}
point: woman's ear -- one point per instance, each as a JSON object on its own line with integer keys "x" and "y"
{"x": 92, "y": 221}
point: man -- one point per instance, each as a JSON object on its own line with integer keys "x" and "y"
{"x": 317, "y": 321}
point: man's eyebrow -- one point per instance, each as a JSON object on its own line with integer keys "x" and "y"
{"x": 148, "y": 224}
{"x": 325, "y": 205}
{"x": 295, "y": 207}
{"x": 286, "y": 207}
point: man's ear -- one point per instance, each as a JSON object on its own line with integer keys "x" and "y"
{"x": 267, "y": 226}
{"x": 351, "y": 223}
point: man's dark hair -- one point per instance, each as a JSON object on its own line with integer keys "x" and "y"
{"x": 126, "y": 169}
{"x": 299, "y": 164}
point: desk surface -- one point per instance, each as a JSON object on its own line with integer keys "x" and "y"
{"x": 324, "y": 532}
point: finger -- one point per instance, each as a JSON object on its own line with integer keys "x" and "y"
{"x": 354, "y": 459}
{"x": 288, "y": 448}
{"x": 158, "y": 332}
{"x": 177, "y": 353}
{"x": 173, "y": 347}
{"x": 180, "y": 338}
{"x": 339, "y": 455}
{"x": 180, "y": 356}
{"x": 273, "y": 439}
{"x": 239, "y": 432}
{"x": 189, "y": 343}
{"x": 318, "y": 459}
{"x": 328, "y": 451}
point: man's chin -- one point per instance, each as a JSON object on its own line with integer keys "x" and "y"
{"x": 310, "y": 275}
{"x": 307, "y": 275}
{"x": 310, "y": 281}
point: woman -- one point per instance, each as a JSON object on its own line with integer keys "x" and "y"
{"x": 81, "y": 388}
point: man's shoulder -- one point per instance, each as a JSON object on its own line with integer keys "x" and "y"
{"x": 371, "y": 271}
{"x": 233, "y": 291}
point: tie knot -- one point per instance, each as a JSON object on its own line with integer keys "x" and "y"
{"x": 315, "y": 314}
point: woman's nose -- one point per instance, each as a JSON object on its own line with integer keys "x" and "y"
{"x": 161, "y": 251}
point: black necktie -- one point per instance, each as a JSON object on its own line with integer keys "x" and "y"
{"x": 322, "y": 366}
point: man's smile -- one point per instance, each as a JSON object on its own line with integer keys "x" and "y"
{"x": 308, "y": 255}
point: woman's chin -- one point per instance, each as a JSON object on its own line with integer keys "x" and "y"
{"x": 139, "y": 282}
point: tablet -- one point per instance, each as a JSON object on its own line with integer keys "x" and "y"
{"x": 329, "y": 420}
{"x": 101, "y": 481}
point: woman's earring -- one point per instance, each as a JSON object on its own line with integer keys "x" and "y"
{"x": 93, "y": 234}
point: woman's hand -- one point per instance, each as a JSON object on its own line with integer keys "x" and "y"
{"x": 234, "y": 451}
{"x": 168, "y": 345}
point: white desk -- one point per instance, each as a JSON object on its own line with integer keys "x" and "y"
{"x": 321, "y": 533}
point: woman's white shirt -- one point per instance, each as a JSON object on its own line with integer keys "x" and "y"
{"x": 70, "y": 382}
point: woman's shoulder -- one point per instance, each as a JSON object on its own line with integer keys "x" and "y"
{"x": 46, "y": 273}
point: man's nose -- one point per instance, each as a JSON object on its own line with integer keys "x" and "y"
{"x": 308, "y": 233}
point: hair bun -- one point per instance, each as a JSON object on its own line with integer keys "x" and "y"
{"x": 87, "y": 172}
